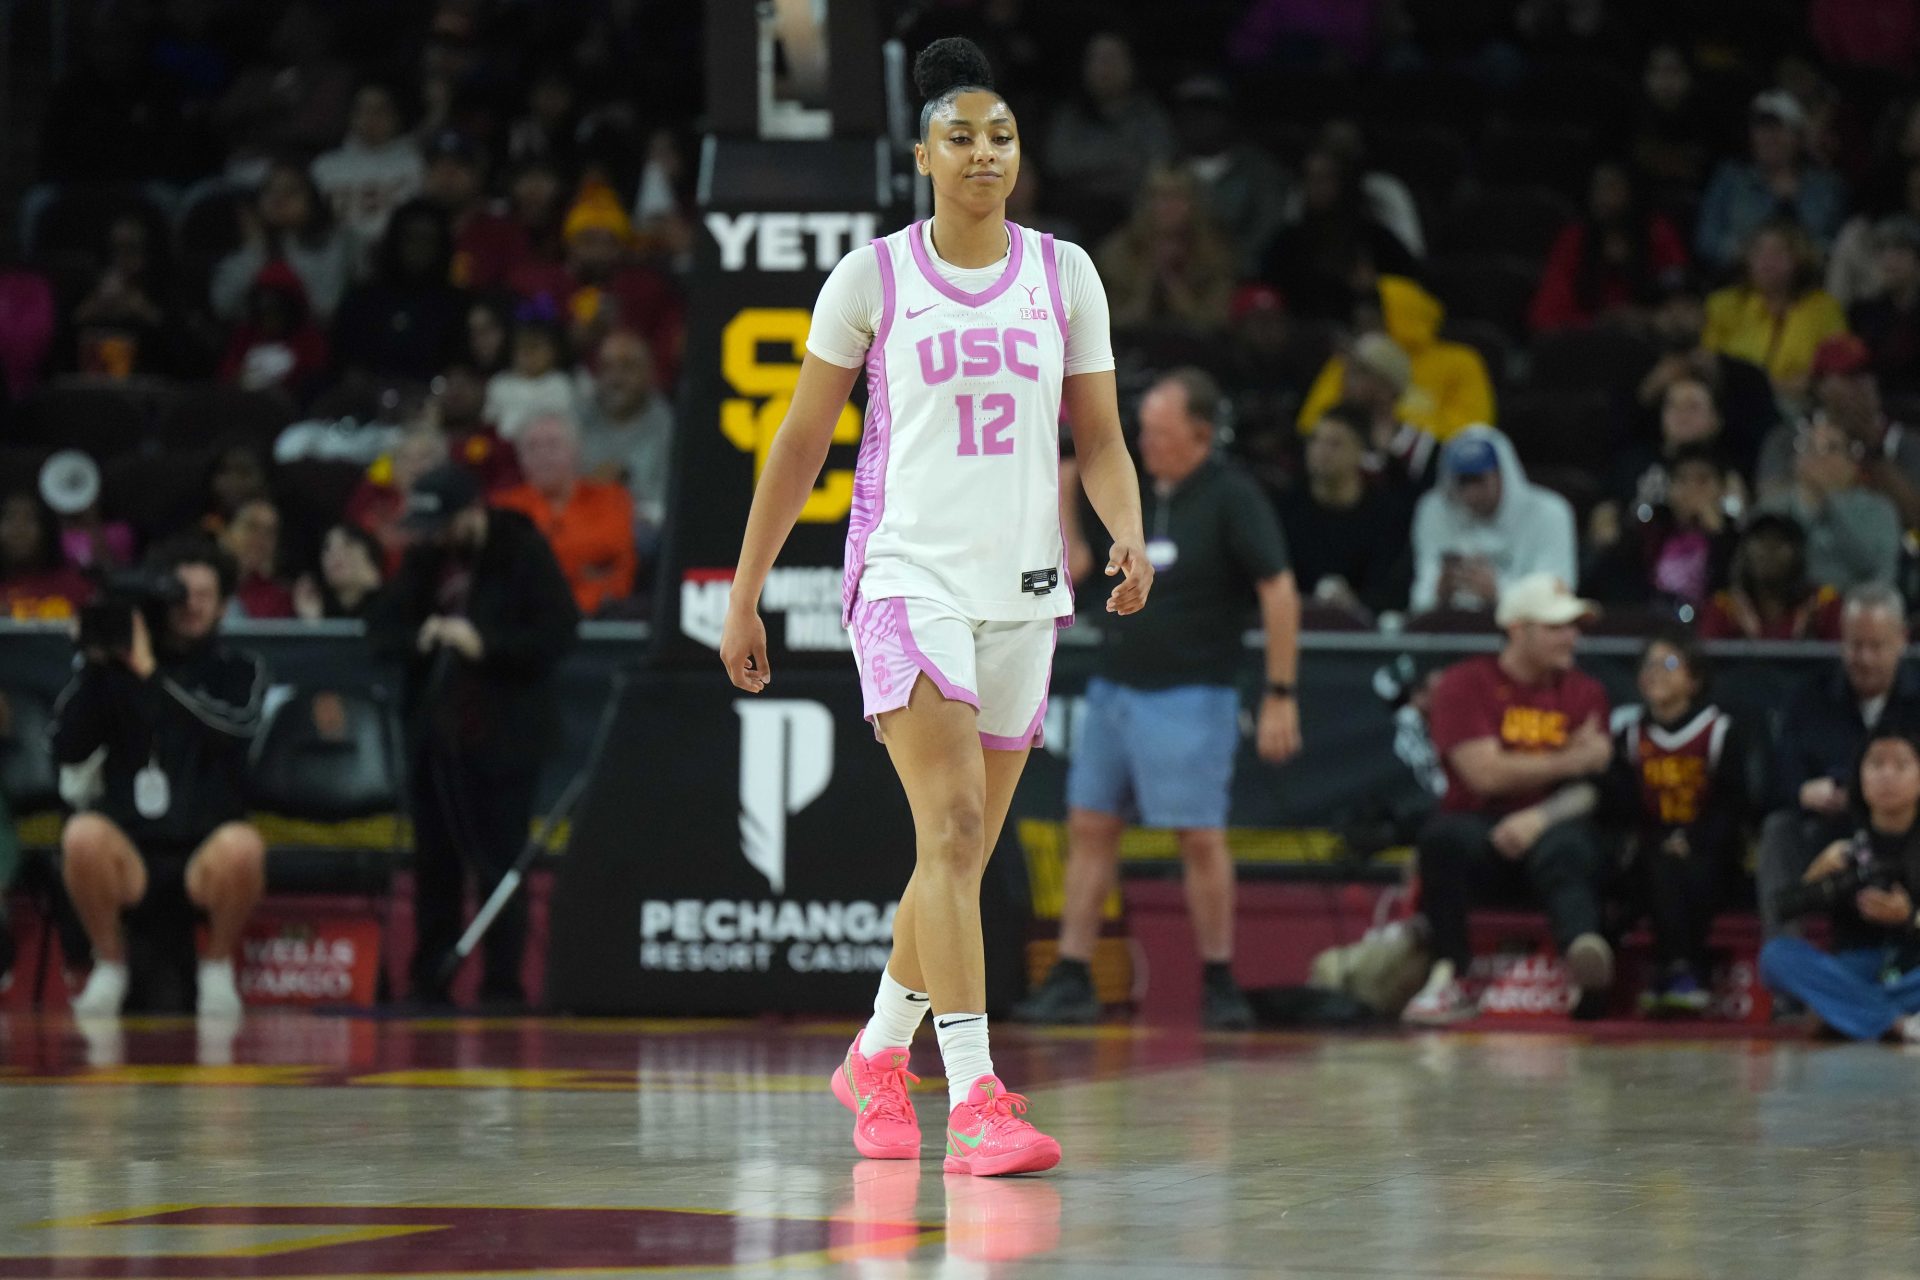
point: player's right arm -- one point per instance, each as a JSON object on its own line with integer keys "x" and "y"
{"x": 794, "y": 460}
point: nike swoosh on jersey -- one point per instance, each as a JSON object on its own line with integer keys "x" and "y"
{"x": 914, "y": 315}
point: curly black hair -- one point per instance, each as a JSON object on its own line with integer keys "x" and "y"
{"x": 946, "y": 69}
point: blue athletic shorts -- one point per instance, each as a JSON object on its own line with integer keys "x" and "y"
{"x": 1162, "y": 757}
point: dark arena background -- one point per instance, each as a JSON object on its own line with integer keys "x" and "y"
{"x": 1640, "y": 279}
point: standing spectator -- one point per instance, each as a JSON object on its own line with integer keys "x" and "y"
{"x": 1163, "y": 716}
{"x": 349, "y": 579}
{"x": 129, "y": 322}
{"x": 165, "y": 815}
{"x": 1245, "y": 190}
{"x": 276, "y": 344}
{"x": 1888, "y": 320}
{"x": 1170, "y": 266}
{"x": 288, "y": 221}
{"x": 1769, "y": 595}
{"x": 1777, "y": 184}
{"x": 252, "y": 538}
{"x": 408, "y": 321}
{"x": 1484, "y": 527}
{"x": 589, "y": 523}
{"x": 1824, "y": 727}
{"x": 481, "y": 616}
{"x": 1741, "y": 391}
{"x": 1348, "y": 537}
{"x": 626, "y": 431}
{"x": 1677, "y": 549}
{"x": 374, "y": 171}
{"x": 1679, "y": 767}
{"x": 1869, "y": 984}
{"x": 36, "y": 583}
{"x": 1777, "y": 316}
{"x": 1335, "y": 246}
{"x": 1447, "y": 385}
{"x": 1853, "y": 533}
{"x": 380, "y": 499}
{"x": 1609, "y": 264}
{"x": 1102, "y": 144}
{"x": 1672, "y": 137}
{"x": 537, "y": 382}
{"x": 1521, "y": 734}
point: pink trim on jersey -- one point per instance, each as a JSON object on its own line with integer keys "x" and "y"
{"x": 1018, "y": 242}
{"x": 1053, "y": 287}
{"x": 876, "y": 446}
{"x": 948, "y": 689}
{"x": 1052, "y": 264}
{"x": 1036, "y": 734}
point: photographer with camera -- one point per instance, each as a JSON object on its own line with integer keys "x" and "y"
{"x": 152, "y": 737}
{"x": 1869, "y": 984}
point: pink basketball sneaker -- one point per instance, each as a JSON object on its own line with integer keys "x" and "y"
{"x": 986, "y": 1136}
{"x": 875, "y": 1090}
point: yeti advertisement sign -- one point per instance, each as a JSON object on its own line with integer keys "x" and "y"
{"x": 732, "y": 854}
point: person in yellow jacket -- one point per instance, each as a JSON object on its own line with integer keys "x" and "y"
{"x": 1776, "y": 316}
{"x": 1449, "y": 387}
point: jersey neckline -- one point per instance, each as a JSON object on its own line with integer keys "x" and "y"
{"x": 1016, "y": 254}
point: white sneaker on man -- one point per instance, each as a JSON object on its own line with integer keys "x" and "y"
{"x": 1442, "y": 1001}
{"x": 1909, "y": 1028}
{"x": 219, "y": 995}
{"x": 105, "y": 992}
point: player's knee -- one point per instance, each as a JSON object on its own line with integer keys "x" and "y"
{"x": 957, "y": 840}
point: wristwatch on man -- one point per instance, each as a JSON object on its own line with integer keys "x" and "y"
{"x": 1279, "y": 689}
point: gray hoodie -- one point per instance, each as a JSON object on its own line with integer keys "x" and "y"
{"x": 1530, "y": 532}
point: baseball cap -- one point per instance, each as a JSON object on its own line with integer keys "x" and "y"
{"x": 1842, "y": 354}
{"x": 437, "y": 497}
{"x": 1543, "y": 598}
{"x": 1470, "y": 456}
{"x": 1384, "y": 358}
{"x": 1778, "y": 104}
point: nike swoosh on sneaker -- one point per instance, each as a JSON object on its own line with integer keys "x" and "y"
{"x": 913, "y": 315}
{"x": 971, "y": 1143}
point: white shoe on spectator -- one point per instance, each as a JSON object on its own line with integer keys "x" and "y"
{"x": 1590, "y": 963}
{"x": 1442, "y": 1001}
{"x": 1909, "y": 1028}
{"x": 219, "y": 994}
{"x": 105, "y": 992}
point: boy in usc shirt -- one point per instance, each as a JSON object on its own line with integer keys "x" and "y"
{"x": 1520, "y": 734}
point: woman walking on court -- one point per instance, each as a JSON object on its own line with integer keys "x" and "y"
{"x": 973, "y": 333}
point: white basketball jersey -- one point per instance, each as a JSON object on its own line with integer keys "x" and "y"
{"x": 956, "y": 494}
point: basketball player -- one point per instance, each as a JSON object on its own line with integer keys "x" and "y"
{"x": 973, "y": 333}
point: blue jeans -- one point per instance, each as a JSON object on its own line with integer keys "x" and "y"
{"x": 1844, "y": 988}
{"x": 1165, "y": 754}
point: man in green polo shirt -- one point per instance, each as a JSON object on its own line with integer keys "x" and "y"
{"x": 1163, "y": 717}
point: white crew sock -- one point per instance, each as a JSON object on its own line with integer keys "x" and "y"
{"x": 897, "y": 1010}
{"x": 219, "y": 995}
{"x": 963, "y": 1047}
{"x": 105, "y": 992}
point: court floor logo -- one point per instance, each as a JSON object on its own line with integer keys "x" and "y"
{"x": 786, "y": 762}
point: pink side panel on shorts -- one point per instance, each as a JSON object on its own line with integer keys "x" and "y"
{"x": 890, "y": 660}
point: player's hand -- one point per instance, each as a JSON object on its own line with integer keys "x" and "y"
{"x": 1129, "y": 559}
{"x": 743, "y": 650}
{"x": 1277, "y": 735}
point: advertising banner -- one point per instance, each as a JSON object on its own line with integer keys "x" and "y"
{"x": 329, "y": 960}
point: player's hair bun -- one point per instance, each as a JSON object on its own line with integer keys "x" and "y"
{"x": 952, "y": 63}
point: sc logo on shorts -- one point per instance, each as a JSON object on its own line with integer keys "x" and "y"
{"x": 763, "y": 391}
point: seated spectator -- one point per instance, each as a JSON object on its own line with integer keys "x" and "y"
{"x": 1447, "y": 388}
{"x": 1609, "y": 264}
{"x": 1245, "y": 191}
{"x": 588, "y": 522}
{"x": 547, "y": 129}
{"x": 1390, "y": 201}
{"x": 1742, "y": 392}
{"x": 1776, "y": 317}
{"x": 1689, "y": 418}
{"x": 276, "y": 345}
{"x": 289, "y": 221}
{"x": 238, "y": 476}
{"x": 626, "y": 431}
{"x": 163, "y": 815}
{"x": 1678, "y": 776}
{"x": 1169, "y": 266}
{"x": 487, "y": 244}
{"x": 1847, "y": 395}
{"x": 1400, "y": 456}
{"x": 70, "y": 485}
{"x": 537, "y": 203}
{"x": 489, "y": 327}
{"x": 349, "y": 578}
{"x": 1349, "y": 537}
{"x": 1769, "y": 595}
{"x": 1334, "y": 245}
{"x": 375, "y": 170}
{"x": 1747, "y": 194}
{"x": 1522, "y": 734}
{"x": 36, "y": 583}
{"x": 1102, "y": 143}
{"x": 1267, "y": 361}
{"x": 459, "y": 396}
{"x": 1856, "y": 268}
{"x": 1672, "y": 137}
{"x": 380, "y": 499}
{"x": 1485, "y": 527}
{"x": 1888, "y": 320}
{"x": 129, "y": 321}
{"x": 252, "y": 538}
{"x": 1868, "y": 985}
{"x": 1678, "y": 549}
{"x": 537, "y": 383}
{"x": 407, "y": 322}
{"x": 1853, "y": 533}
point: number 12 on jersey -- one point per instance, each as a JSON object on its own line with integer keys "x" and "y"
{"x": 991, "y": 436}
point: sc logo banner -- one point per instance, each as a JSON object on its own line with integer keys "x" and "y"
{"x": 786, "y": 762}
{"x": 762, "y": 391}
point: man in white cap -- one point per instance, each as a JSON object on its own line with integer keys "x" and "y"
{"x": 1778, "y": 180}
{"x": 1521, "y": 734}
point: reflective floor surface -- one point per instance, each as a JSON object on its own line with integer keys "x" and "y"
{"x": 303, "y": 1146}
